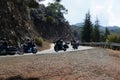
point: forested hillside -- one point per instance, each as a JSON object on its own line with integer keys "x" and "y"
{"x": 50, "y": 22}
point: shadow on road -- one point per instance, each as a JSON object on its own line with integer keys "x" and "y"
{"x": 20, "y": 78}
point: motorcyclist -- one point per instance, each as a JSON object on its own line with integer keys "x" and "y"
{"x": 59, "y": 42}
{"x": 75, "y": 44}
{"x": 28, "y": 45}
{"x": 4, "y": 43}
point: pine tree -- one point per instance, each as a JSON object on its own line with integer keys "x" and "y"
{"x": 96, "y": 32}
{"x": 107, "y": 32}
{"x": 87, "y": 29}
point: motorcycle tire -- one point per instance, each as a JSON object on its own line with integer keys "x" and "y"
{"x": 64, "y": 49}
{"x": 34, "y": 51}
{"x": 56, "y": 48}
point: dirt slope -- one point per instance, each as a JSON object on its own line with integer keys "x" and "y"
{"x": 93, "y": 64}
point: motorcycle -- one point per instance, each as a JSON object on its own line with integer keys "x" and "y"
{"x": 75, "y": 46}
{"x": 8, "y": 50}
{"x": 25, "y": 48}
{"x": 59, "y": 47}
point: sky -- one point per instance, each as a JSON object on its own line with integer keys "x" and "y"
{"x": 107, "y": 11}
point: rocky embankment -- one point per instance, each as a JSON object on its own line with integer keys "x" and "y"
{"x": 15, "y": 22}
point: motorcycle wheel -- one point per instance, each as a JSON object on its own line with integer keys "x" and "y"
{"x": 64, "y": 49}
{"x": 34, "y": 51}
{"x": 56, "y": 48}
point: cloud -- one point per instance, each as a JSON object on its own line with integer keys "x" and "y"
{"x": 114, "y": 13}
{"x": 103, "y": 10}
{"x": 107, "y": 11}
{"x": 46, "y": 2}
{"x": 76, "y": 10}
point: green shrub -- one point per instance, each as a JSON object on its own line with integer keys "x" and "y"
{"x": 51, "y": 19}
{"x": 29, "y": 3}
{"x": 39, "y": 41}
{"x": 113, "y": 38}
{"x": 33, "y": 4}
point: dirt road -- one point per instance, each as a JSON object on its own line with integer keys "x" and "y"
{"x": 92, "y": 64}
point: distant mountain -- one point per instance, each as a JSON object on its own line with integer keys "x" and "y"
{"x": 79, "y": 24}
{"x": 112, "y": 29}
{"x": 77, "y": 28}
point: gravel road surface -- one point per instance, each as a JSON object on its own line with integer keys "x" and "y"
{"x": 87, "y": 64}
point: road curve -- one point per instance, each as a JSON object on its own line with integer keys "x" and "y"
{"x": 51, "y": 51}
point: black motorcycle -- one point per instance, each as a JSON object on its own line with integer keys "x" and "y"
{"x": 75, "y": 46}
{"x": 59, "y": 47}
{"x": 8, "y": 50}
{"x": 25, "y": 48}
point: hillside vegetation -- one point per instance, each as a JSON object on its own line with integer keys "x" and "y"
{"x": 50, "y": 22}
{"x": 26, "y": 18}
